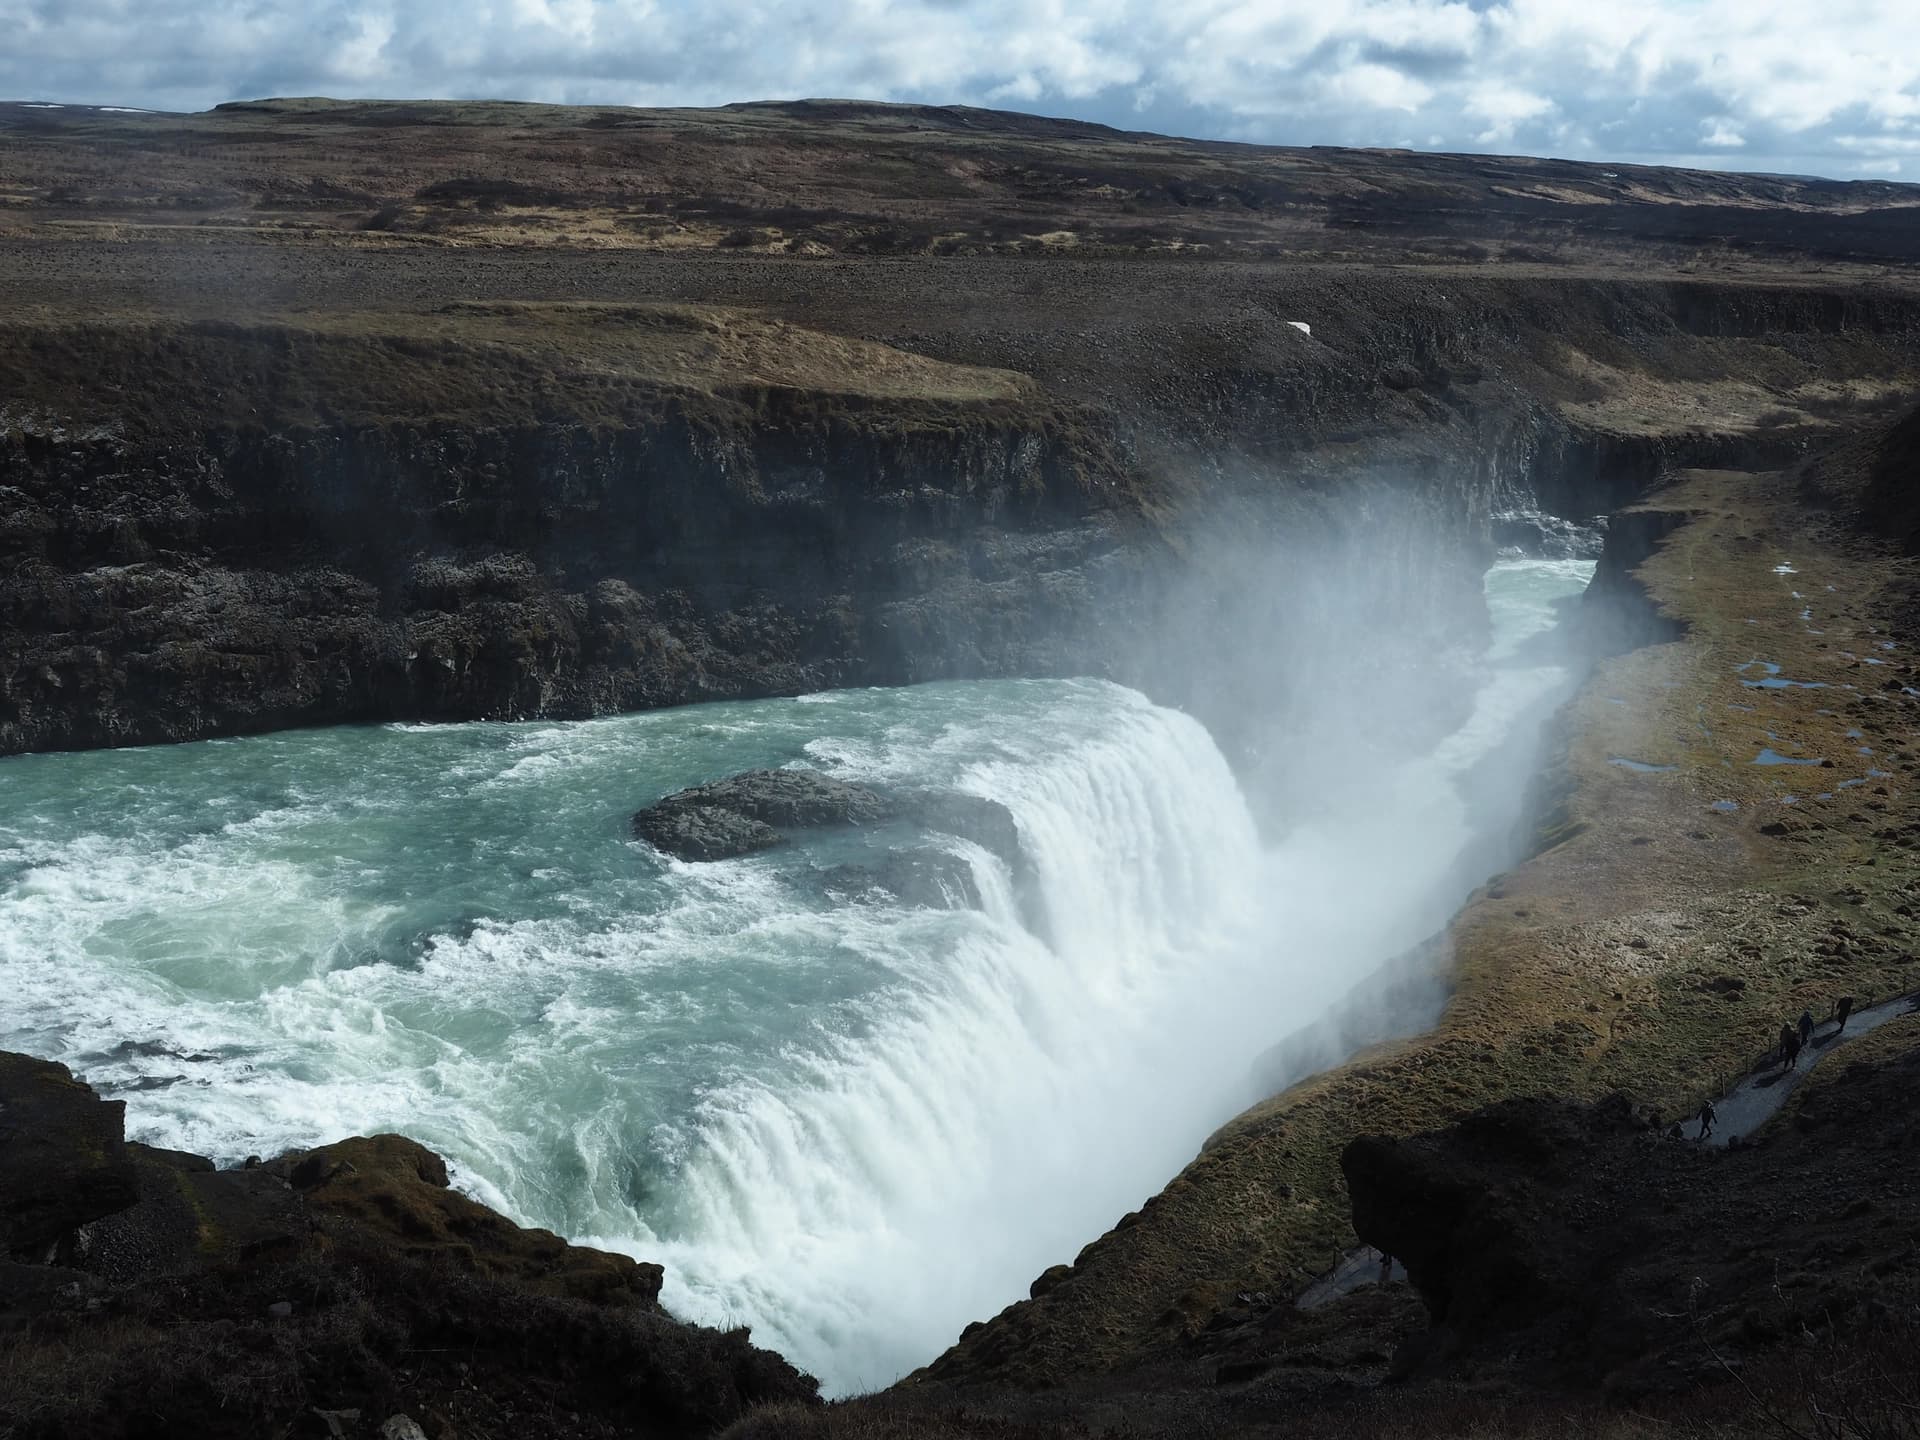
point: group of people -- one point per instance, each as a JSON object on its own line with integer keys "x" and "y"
{"x": 1795, "y": 1036}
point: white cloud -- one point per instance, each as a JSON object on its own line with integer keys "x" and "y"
{"x": 1770, "y": 84}
{"x": 1504, "y": 107}
{"x": 1378, "y": 87}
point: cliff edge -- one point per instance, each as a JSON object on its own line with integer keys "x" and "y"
{"x": 144, "y": 1292}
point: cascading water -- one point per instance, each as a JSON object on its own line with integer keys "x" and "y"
{"x": 853, "y": 1123}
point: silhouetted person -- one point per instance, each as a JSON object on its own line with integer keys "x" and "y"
{"x": 1842, "y": 1008}
{"x": 1707, "y": 1116}
{"x": 1789, "y": 1047}
{"x": 1806, "y": 1028}
{"x": 1386, "y": 1267}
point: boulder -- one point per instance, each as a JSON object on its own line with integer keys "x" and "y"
{"x": 737, "y": 816}
{"x": 397, "y": 1189}
{"x": 63, "y": 1159}
{"x": 305, "y": 1276}
{"x": 1506, "y": 1235}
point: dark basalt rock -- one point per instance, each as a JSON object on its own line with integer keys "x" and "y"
{"x": 930, "y": 878}
{"x": 143, "y": 1281}
{"x": 1580, "y": 1246}
{"x": 737, "y": 816}
{"x": 62, "y": 1160}
{"x": 694, "y": 833}
{"x": 391, "y": 1183}
{"x": 987, "y": 823}
{"x": 1477, "y": 1216}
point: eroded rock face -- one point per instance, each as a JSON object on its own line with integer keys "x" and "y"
{"x": 1493, "y": 1222}
{"x": 738, "y": 815}
{"x": 62, "y": 1159}
{"x": 1571, "y": 1245}
{"x": 222, "y": 582}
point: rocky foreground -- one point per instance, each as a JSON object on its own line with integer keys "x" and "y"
{"x": 144, "y": 1292}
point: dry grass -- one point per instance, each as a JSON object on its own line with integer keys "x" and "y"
{"x": 491, "y": 364}
{"x": 853, "y": 178}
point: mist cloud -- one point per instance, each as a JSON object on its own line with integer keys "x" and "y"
{"x": 1752, "y": 84}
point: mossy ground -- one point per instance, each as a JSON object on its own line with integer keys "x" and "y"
{"x": 141, "y": 370}
{"x": 1657, "y": 950}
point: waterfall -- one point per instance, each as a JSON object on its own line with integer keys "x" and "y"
{"x": 851, "y": 1122}
{"x": 1029, "y": 1092}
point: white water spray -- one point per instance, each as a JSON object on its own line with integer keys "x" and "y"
{"x": 855, "y": 1127}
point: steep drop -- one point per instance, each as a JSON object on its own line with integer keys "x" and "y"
{"x": 852, "y": 1122}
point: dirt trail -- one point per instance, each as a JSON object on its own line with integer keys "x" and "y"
{"x": 1756, "y": 1099}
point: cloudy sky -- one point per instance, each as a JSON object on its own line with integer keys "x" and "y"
{"x": 1828, "y": 87}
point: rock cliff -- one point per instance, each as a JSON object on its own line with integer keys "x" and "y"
{"x": 515, "y": 510}
{"x": 144, "y": 1292}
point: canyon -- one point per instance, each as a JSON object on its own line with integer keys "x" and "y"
{"x": 324, "y": 414}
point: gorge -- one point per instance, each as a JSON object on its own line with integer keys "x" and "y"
{"x": 392, "y": 553}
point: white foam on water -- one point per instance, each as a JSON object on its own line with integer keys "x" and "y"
{"x": 855, "y": 1127}
{"x": 1018, "y": 1097}
{"x": 858, "y": 1221}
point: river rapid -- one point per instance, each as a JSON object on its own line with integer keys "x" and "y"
{"x": 852, "y": 1123}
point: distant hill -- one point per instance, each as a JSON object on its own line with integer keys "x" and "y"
{"x": 818, "y": 177}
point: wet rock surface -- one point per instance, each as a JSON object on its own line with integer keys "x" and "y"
{"x": 934, "y": 879}
{"x": 987, "y": 823}
{"x": 749, "y": 812}
{"x": 745, "y": 813}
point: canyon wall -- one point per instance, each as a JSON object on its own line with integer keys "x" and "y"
{"x": 214, "y": 528}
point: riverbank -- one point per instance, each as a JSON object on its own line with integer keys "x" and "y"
{"x": 1689, "y": 902}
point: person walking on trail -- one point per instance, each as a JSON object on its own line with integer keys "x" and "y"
{"x": 1842, "y": 1008}
{"x": 1806, "y": 1028}
{"x": 1789, "y": 1047}
{"x": 1707, "y": 1116}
